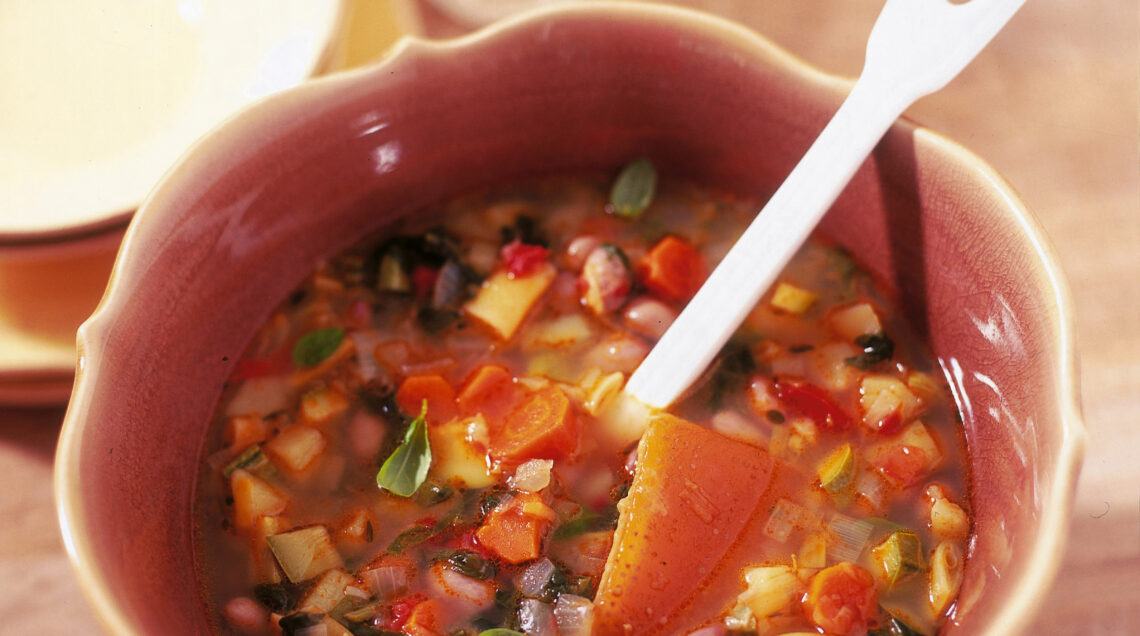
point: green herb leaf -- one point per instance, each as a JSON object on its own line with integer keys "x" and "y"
{"x": 407, "y": 467}
{"x": 500, "y": 631}
{"x": 580, "y": 524}
{"x": 633, "y": 190}
{"x": 315, "y": 346}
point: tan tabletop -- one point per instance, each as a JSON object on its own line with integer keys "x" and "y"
{"x": 1053, "y": 104}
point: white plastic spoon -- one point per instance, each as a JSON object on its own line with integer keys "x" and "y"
{"x": 916, "y": 47}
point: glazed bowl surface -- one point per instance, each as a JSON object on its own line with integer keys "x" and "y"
{"x": 250, "y": 209}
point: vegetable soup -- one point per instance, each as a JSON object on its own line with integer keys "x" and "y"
{"x": 430, "y": 437}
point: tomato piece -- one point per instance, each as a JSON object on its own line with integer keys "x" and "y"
{"x": 904, "y": 465}
{"x": 841, "y": 599}
{"x": 423, "y": 280}
{"x": 813, "y": 402}
{"x": 489, "y": 390}
{"x": 673, "y": 269}
{"x": 542, "y": 427}
{"x": 431, "y": 387}
{"x": 521, "y": 258}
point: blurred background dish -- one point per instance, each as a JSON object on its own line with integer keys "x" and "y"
{"x": 93, "y": 115}
{"x": 99, "y": 98}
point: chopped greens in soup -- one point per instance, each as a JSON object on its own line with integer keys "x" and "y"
{"x": 427, "y": 438}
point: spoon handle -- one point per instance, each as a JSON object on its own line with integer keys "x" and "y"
{"x": 893, "y": 77}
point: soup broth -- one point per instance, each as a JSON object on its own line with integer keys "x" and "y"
{"x": 428, "y": 437}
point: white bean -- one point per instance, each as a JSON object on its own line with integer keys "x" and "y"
{"x": 649, "y": 317}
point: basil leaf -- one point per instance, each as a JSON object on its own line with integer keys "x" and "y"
{"x": 633, "y": 190}
{"x": 407, "y": 467}
{"x": 315, "y": 346}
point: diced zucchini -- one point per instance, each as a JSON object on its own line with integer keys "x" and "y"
{"x": 454, "y": 457}
{"x": 792, "y": 299}
{"x": 558, "y": 333}
{"x": 838, "y": 469}
{"x": 305, "y": 552}
{"x": 504, "y": 301}
{"x": 897, "y": 557}
{"x": 254, "y": 498}
{"x": 328, "y": 590}
{"x": 296, "y": 447}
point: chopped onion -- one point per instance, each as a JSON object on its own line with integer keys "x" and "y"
{"x": 786, "y": 516}
{"x": 533, "y": 475}
{"x": 366, "y": 342}
{"x": 386, "y": 581}
{"x": 536, "y": 618}
{"x": 535, "y": 577}
{"x": 574, "y": 615}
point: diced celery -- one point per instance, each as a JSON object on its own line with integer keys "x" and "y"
{"x": 945, "y": 575}
{"x": 304, "y": 553}
{"x": 252, "y": 460}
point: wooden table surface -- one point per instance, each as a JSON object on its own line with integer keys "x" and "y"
{"x": 1053, "y": 104}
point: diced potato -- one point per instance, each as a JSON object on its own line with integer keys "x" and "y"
{"x": 856, "y": 320}
{"x": 260, "y": 396}
{"x": 558, "y": 333}
{"x": 945, "y": 575}
{"x": 792, "y": 299}
{"x": 254, "y": 498}
{"x": 813, "y": 551}
{"x": 296, "y": 447}
{"x": 504, "y": 301}
{"x": 320, "y": 405}
{"x": 305, "y": 552}
{"x": 243, "y": 430}
{"x": 948, "y": 520}
{"x": 328, "y": 590}
{"x": 887, "y": 403}
{"x": 771, "y": 590}
{"x": 829, "y": 367}
{"x": 453, "y": 455}
{"x": 918, "y": 436}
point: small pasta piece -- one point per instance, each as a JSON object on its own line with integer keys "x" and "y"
{"x": 770, "y": 591}
{"x": 948, "y": 520}
{"x": 945, "y": 576}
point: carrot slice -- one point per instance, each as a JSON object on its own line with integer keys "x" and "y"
{"x": 841, "y": 599}
{"x": 692, "y": 521}
{"x": 542, "y": 427}
{"x": 673, "y": 269}
{"x": 516, "y": 529}
{"x": 491, "y": 391}
{"x": 431, "y": 387}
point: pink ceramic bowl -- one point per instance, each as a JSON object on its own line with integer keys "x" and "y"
{"x": 248, "y": 211}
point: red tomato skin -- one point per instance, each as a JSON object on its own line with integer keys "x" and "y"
{"x": 814, "y": 403}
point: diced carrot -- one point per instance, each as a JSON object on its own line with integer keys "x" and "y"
{"x": 841, "y": 599}
{"x": 673, "y": 269}
{"x": 904, "y": 465}
{"x": 542, "y": 427}
{"x": 515, "y": 529}
{"x": 431, "y": 387}
{"x": 424, "y": 619}
{"x": 243, "y": 430}
{"x": 693, "y": 519}
{"x": 491, "y": 391}
{"x": 254, "y": 498}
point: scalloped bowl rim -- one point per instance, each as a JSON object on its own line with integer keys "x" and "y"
{"x": 1045, "y": 562}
